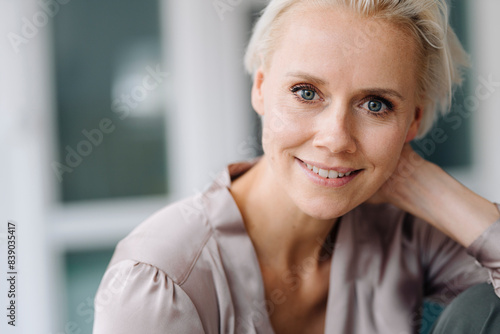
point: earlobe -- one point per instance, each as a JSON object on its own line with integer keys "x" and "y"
{"x": 257, "y": 96}
{"x": 414, "y": 126}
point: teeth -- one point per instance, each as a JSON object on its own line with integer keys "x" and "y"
{"x": 323, "y": 173}
{"x": 331, "y": 174}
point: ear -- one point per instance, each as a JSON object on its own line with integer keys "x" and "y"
{"x": 257, "y": 93}
{"x": 414, "y": 126}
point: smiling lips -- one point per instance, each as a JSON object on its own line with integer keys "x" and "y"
{"x": 329, "y": 173}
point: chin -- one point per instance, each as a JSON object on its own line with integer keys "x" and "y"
{"x": 326, "y": 210}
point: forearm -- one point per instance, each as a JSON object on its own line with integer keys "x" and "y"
{"x": 430, "y": 193}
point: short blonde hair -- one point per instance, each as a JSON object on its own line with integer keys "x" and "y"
{"x": 442, "y": 55}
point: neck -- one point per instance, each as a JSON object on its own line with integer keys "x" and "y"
{"x": 284, "y": 237}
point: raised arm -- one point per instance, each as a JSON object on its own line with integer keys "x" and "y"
{"x": 428, "y": 192}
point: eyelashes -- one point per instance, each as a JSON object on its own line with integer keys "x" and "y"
{"x": 305, "y": 93}
{"x": 375, "y": 105}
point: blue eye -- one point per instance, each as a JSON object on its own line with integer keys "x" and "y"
{"x": 375, "y": 106}
{"x": 307, "y": 94}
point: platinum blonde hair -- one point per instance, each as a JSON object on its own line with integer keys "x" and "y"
{"x": 441, "y": 54}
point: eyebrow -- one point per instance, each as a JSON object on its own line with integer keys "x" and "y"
{"x": 307, "y": 77}
{"x": 370, "y": 91}
{"x": 383, "y": 91}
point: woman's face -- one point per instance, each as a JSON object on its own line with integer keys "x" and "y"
{"x": 337, "y": 96}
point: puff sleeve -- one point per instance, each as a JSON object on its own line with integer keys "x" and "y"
{"x": 135, "y": 297}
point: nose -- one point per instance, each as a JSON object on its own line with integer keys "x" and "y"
{"x": 335, "y": 130}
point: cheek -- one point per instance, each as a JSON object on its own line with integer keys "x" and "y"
{"x": 283, "y": 127}
{"x": 382, "y": 146}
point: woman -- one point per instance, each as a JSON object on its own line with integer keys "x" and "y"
{"x": 340, "y": 227}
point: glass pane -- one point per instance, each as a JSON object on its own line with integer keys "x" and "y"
{"x": 84, "y": 271}
{"x": 109, "y": 82}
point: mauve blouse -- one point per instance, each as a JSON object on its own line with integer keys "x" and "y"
{"x": 191, "y": 268}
